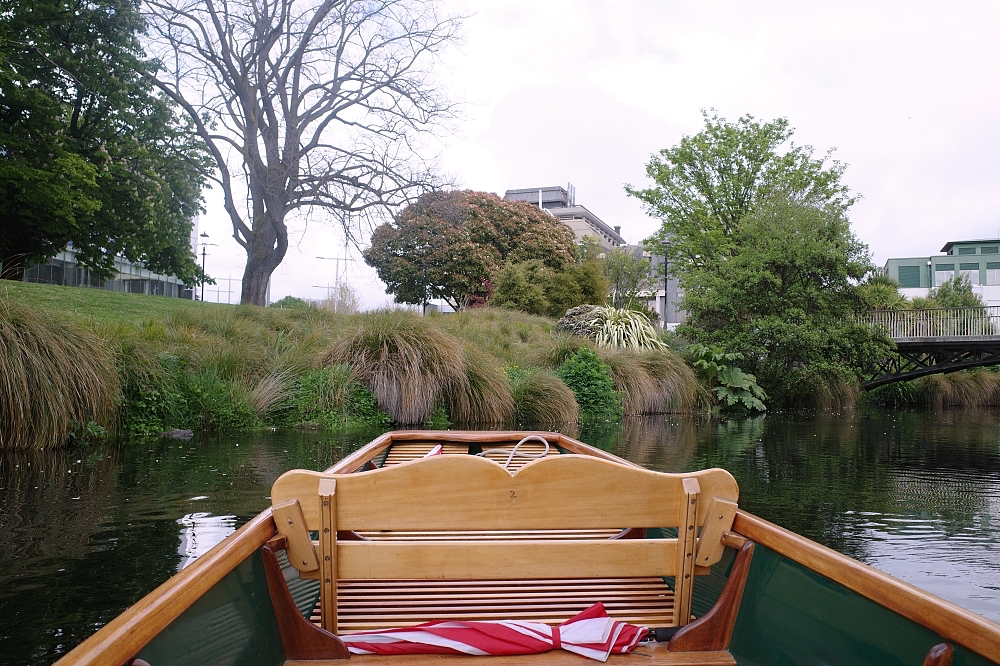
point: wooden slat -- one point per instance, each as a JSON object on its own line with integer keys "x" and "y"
{"x": 407, "y": 451}
{"x": 947, "y": 619}
{"x": 470, "y": 493}
{"x": 684, "y": 582}
{"x": 498, "y": 560}
{"x": 492, "y": 534}
{"x": 329, "y": 557}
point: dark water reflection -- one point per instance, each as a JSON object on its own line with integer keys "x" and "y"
{"x": 90, "y": 531}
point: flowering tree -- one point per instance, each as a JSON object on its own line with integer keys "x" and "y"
{"x": 450, "y": 245}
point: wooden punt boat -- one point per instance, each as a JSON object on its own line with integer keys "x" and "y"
{"x": 403, "y": 540}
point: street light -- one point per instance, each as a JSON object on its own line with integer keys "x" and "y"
{"x": 204, "y": 234}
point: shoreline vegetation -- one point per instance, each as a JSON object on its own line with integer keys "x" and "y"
{"x": 83, "y": 363}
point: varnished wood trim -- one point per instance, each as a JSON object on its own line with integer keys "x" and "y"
{"x": 362, "y": 455}
{"x": 950, "y": 621}
{"x": 939, "y": 655}
{"x": 300, "y": 638}
{"x": 120, "y": 639}
{"x": 484, "y": 436}
{"x": 714, "y": 629}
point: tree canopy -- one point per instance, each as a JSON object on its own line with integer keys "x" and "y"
{"x": 706, "y": 185}
{"x": 450, "y": 245}
{"x": 89, "y": 155}
{"x": 309, "y": 107}
{"x": 786, "y": 299}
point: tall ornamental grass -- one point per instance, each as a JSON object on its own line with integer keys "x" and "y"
{"x": 403, "y": 359}
{"x": 542, "y": 399}
{"x": 54, "y": 379}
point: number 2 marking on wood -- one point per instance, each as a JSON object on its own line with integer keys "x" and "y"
{"x": 513, "y": 495}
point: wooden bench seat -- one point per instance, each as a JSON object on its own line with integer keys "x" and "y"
{"x": 460, "y": 537}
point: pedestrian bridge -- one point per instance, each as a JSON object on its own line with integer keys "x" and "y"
{"x": 935, "y": 341}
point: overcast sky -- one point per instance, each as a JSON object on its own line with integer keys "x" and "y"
{"x": 584, "y": 92}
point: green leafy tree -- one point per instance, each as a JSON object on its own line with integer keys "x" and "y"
{"x": 881, "y": 292}
{"x": 520, "y": 287}
{"x": 450, "y": 245}
{"x": 786, "y": 300}
{"x": 89, "y": 155}
{"x": 955, "y": 293}
{"x": 628, "y": 274}
{"x": 705, "y": 186}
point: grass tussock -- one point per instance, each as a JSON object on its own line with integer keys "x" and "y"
{"x": 481, "y": 395}
{"x": 971, "y": 388}
{"x": 652, "y": 382}
{"x": 542, "y": 399}
{"x": 54, "y": 379}
{"x": 406, "y": 361}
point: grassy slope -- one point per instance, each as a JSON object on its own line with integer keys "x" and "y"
{"x": 202, "y": 365}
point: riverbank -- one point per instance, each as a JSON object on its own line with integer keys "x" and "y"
{"x": 80, "y": 363}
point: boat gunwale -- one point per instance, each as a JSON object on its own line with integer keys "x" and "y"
{"x": 129, "y": 632}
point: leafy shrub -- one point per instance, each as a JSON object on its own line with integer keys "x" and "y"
{"x": 290, "y": 303}
{"x": 332, "y": 398}
{"x": 589, "y": 378}
{"x": 627, "y": 329}
{"x": 731, "y": 386}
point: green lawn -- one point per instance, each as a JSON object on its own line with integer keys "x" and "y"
{"x": 98, "y": 304}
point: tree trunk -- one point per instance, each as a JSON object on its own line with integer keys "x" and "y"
{"x": 264, "y": 253}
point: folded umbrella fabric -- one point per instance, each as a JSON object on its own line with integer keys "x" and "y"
{"x": 591, "y": 634}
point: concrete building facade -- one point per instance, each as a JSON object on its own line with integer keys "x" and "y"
{"x": 978, "y": 259}
{"x": 561, "y": 203}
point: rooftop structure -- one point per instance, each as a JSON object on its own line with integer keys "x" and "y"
{"x": 561, "y": 203}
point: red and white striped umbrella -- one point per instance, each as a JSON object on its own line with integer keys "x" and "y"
{"x": 591, "y": 633}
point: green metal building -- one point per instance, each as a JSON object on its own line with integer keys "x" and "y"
{"x": 979, "y": 259}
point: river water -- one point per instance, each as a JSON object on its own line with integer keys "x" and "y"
{"x": 88, "y": 531}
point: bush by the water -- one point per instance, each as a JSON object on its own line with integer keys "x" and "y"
{"x": 590, "y": 379}
{"x": 542, "y": 398}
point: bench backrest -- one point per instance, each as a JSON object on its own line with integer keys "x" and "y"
{"x": 468, "y": 493}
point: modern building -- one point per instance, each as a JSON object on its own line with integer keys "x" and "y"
{"x": 63, "y": 269}
{"x": 979, "y": 259}
{"x": 561, "y": 203}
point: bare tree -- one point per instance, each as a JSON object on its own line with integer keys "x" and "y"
{"x": 305, "y": 105}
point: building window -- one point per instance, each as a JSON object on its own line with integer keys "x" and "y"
{"x": 943, "y": 273}
{"x": 966, "y": 250}
{"x": 972, "y": 270}
{"x": 990, "y": 249}
{"x": 993, "y": 272}
{"x": 909, "y": 276}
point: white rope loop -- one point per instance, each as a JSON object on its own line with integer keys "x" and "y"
{"x": 514, "y": 452}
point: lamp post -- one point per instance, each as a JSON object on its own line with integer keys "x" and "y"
{"x": 203, "y": 246}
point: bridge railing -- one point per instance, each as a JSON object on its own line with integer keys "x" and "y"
{"x": 936, "y": 322}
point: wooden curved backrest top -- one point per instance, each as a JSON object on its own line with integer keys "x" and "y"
{"x": 460, "y": 492}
